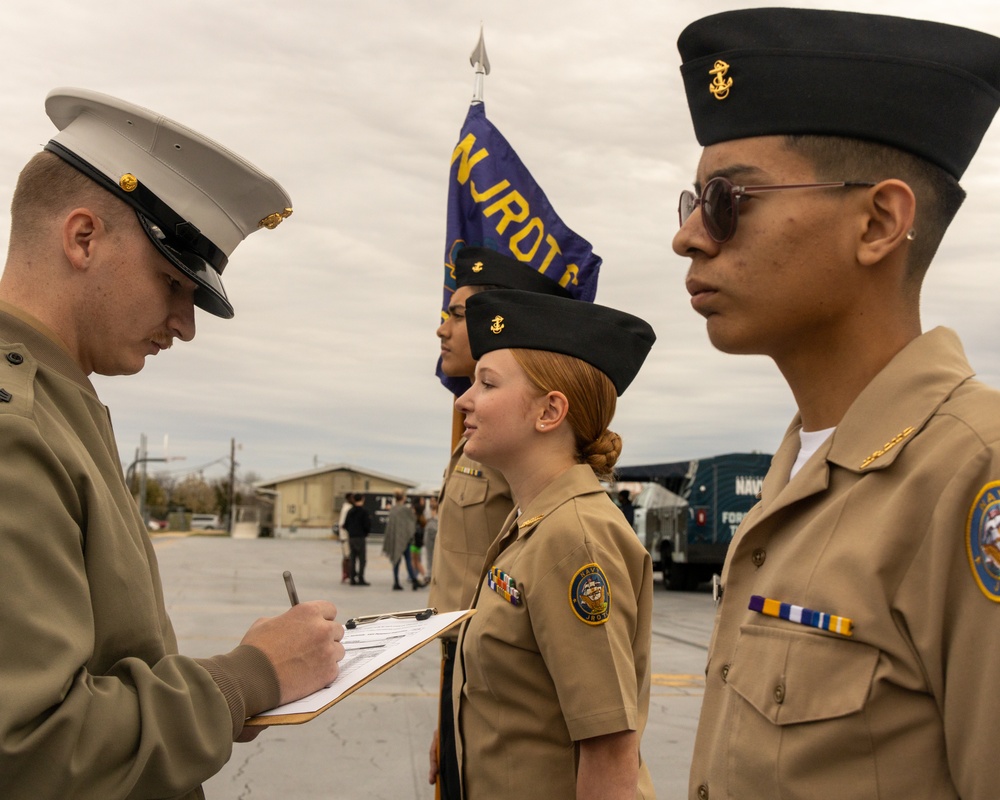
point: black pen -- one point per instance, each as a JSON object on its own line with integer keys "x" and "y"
{"x": 293, "y": 596}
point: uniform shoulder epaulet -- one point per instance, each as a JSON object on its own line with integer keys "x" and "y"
{"x": 17, "y": 375}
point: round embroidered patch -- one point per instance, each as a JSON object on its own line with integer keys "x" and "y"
{"x": 590, "y": 595}
{"x": 983, "y": 540}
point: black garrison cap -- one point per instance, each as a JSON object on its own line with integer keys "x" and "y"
{"x": 613, "y": 341}
{"x": 924, "y": 87}
{"x": 481, "y": 266}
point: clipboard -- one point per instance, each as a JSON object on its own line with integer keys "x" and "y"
{"x": 373, "y": 644}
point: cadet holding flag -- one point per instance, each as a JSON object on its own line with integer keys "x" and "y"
{"x": 502, "y": 232}
{"x": 856, "y": 651}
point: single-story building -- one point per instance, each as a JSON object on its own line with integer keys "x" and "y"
{"x": 307, "y": 504}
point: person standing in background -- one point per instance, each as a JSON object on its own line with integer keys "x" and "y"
{"x": 430, "y": 532}
{"x": 345, "y": 545}
{"x": 358, "y": 523}
{"x": 417, "y": 544}
{"x": 400, "y": 526}
{"x": 625, "y": 504}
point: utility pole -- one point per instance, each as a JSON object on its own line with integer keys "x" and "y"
{"x": 143, "y": 457}
{"x": 232, "y": 485}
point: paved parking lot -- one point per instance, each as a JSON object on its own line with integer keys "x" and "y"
{"x": 374, "y": 744}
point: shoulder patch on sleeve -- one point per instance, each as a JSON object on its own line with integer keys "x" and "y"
{"x": 982, "y": 540}
{"x": 590, "y": 595}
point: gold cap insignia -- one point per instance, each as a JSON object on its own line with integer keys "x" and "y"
{"x": 719, "y": 87}
{"x": 497, "y": 325}
{"x": 272, "y": 221}
{"x": 128, "y": 182}
{"x": 477, "y": 267}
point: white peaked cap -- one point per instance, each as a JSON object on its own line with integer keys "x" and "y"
{"x": 195, "y": 199}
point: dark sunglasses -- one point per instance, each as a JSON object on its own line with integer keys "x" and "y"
{"x": 720, "y": 200}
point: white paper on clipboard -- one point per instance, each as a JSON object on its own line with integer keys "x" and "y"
{"x": 370, "y": 649}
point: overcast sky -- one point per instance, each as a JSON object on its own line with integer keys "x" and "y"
{"x": 355, "y": 107}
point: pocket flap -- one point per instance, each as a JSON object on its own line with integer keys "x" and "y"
{"x": 793, "y": 676}
{"x": 470, "y": 490}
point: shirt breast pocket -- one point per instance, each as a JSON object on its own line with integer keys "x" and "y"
{"x": 805, "y": 695}
{"x": 796, "y": 676}
{"x": 470, "y": 491}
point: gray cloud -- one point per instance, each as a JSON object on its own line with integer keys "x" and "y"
{"x": 355, "y": 109}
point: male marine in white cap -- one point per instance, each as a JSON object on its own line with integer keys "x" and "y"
{"x": 119, "y": 229}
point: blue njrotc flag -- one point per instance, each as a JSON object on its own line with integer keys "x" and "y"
{"x": 494, "y": 202}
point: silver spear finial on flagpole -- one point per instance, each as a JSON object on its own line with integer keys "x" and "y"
{"x": 481, "y": 62}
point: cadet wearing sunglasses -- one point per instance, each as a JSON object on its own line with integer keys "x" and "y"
{"x": 859, "y": 612}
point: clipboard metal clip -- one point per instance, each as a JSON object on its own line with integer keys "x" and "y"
{"x": 417, "y": 613}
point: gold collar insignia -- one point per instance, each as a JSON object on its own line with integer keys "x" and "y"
{"x": 887, "y": 446}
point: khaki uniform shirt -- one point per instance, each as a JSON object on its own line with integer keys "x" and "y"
{"x": 891, "y": 524}
{"x": 474, "y": 503}
{"x": 534, "y": 678}
{"x": 94, "y": 701}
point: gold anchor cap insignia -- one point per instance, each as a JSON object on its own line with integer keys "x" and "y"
{"x": 272, "y": 221}
{"x": 477, "y": 267}
{"x": 128, "y": 182}
{"x": 497, "y": 325}
{"x": 720, "y": 85}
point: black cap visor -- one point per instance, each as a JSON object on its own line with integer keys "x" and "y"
{"x": 210, "y": 294}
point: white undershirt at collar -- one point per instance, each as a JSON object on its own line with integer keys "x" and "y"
{"x": 809, "y": 443}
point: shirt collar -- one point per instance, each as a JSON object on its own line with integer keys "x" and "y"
{"x": 42, "y": 342}
{"x": 899, "y": 401}
{"x": 576, "y": 481}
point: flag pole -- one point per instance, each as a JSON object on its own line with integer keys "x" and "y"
{"x": 481, "y": 64}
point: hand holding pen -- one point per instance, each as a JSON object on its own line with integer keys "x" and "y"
{"x": 293, "y": 596}
{"x": 303, "y": 644}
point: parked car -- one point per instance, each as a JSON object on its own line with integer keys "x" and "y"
{"x": 204, "y": 522}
